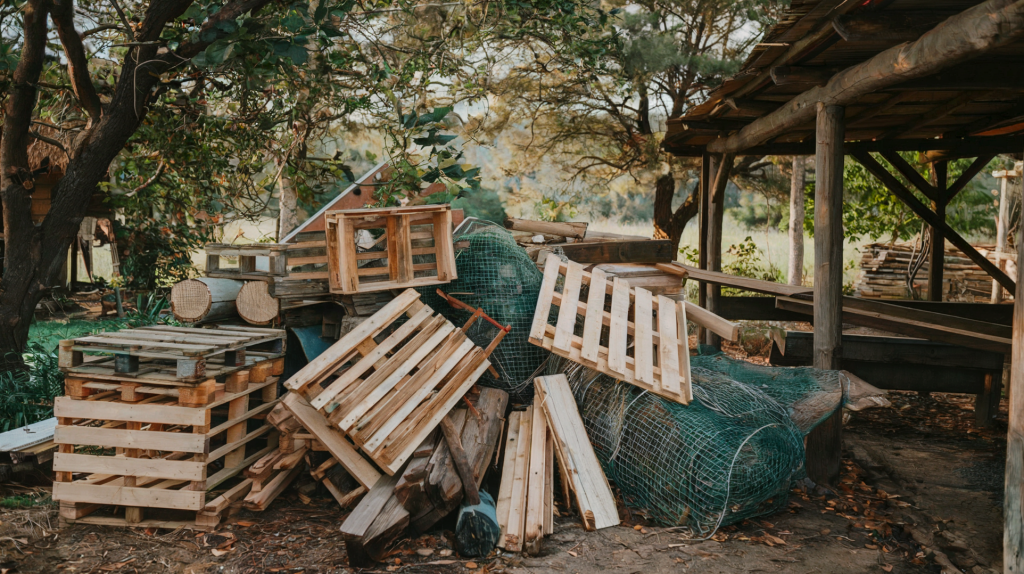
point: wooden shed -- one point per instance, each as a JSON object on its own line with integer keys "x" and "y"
{"x": 865, "y": 78}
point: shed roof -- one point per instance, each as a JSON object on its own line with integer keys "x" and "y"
{"x": 966, "y": 105}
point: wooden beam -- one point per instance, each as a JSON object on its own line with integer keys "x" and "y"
{"x": 887, "y": 26}
{"x": 756, "y": 106}
{"x": 742, "y": 283}
{"x": 954, "y": 147}
{"x": 576, "y": 230}
{"x": 909, "y": 322}
{"x": 937, "y": 257}
{"x": 1013, "y": 496}
{"x": 752, "y": 308}
{"x": 706, "y": 167}
{"x": 1013, "y": 111}
{"x": 936, "y": 113}
{"x": 907, "y": 171}
{"x": 971, "y": 77}
{"x": 926, "y": 214}
{"x": 967, "y": 35}
{"x": 716, "y": 218}
{"x": 789, "y": 75}
{"x": 872, "y": 111}
{"x": 824, "y": 443}
{"x": 646, "y": 251}
{"x": 968, "y": 174}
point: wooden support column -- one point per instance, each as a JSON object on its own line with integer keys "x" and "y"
{"x": 1002, "y": 226}
{"x": 716, "y": 218}
{"x": 706, "y": 171}
{"x": 824, "y": 443}
{"x": 1013, "y": 498}
{"x": 937, "y": 257}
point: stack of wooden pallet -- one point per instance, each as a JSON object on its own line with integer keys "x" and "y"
{"x": 157, "y": 420}
{"x": 885, "y": 268}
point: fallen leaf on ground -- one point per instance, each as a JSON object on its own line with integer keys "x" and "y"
{"x": 471, "y": 565}
{"x": 424, "y": 551}
{"x": 775, "y": 539}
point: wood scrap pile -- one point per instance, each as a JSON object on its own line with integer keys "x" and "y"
{"x": 885, "y": 269}
{"x": 576, "y": 242}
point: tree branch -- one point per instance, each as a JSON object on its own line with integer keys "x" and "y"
{"x": 120, "y": 14}
{"x": 63, "y": 17}
{"x": 148, "y": 182}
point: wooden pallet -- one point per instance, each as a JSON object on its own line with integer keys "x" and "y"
{"x": 525, "y": 505}
{"x": 146, "y": 448}
{"x": 290, "y": 269}
{"x": 577, "y": 460}
{"x": 658, "y": 360}
{"x": 387, "y": 397}
{"x": 400, "y": 234}
{"x": 162, "y": 354}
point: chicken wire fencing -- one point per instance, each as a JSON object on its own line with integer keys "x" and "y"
{"x": 731, "y": 454}
{"x": 497, "y": 275}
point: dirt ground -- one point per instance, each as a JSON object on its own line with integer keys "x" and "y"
{"x": 920, "y": 492}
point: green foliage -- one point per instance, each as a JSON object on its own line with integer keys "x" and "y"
{"x": 27, "y": 397}
{"x": 482, "y": 204}
{"x": 870, "y": 210}
{"x": 746, "y": 261}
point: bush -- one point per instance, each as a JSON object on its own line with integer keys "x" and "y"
{"x": 26, "y": 396}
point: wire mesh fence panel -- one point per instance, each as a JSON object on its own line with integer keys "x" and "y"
{"x": 729, "y": 455}
{"x": 496, "y": 275}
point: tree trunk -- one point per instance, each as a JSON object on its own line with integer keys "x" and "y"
{"x": 796, "y": 222}
{"x": 669, "y": 224}
{"x": 287, "y": 218}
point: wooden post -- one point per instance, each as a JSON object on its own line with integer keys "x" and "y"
{"x": 796, "y": 221}
{"x": 706, "y": 171}
{"x": 1002, "y": 225}
{"x": 937, "y": 258}
{"x": 824, "y": 443}
{"x": 1013, "y": 501}
{"x": 716, "y": 216}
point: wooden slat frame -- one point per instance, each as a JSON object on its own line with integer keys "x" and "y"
{"x": 402, "y": 244}
{"x": 667, "y": 341}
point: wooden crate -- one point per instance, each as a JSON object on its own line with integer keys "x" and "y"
{"x": 658, "y": 360}
{"x": 161, "y": 354}
{"x": 165, "y": 454}
{"x": 387, "y": 397}
{"x": 386, "y": 258}
{"x": 291, "y": 269}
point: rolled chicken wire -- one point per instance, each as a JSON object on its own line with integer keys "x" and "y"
{"x": 729, "y": 455}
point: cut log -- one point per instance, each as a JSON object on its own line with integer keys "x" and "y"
{"x": 255, "y": 304}
{"x": 574, "y": 229}
{"x": 204, "y": 299}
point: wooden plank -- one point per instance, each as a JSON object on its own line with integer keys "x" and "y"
{"x": 617, "y": 330}
{"x": 643, "y": 340}
{"x": 684, "y": 353}
{"x": 594, "y": 316}
{"x": 593, "y": 494}
{"x": 128, "y": 496}
{"x": 130, "y": 412}
{"x": 120, "y": 465}
{"x": 574, "y": 229}
{"x": 668, "y": 348}
{"x": 405, "y": 367}
{"x": 508, "y": 471}
{"x": 647, "y": 251}
{"x": 321, "y": 367}
{"x": 513, "y": 533}
{"x": 360, "y": 519}
{"x": 371, "y": 358}
{"x": 533, "y": 528}
{"x": 726, "y": 280}
{"x": 155, "y": 440}
{"x": 567, "y": 310}
{"x": 547, "y": 290}
{"x": 341, "y": 449}
{"x": 422, "y": 392}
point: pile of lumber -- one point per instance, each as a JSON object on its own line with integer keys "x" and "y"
{"x": 576, "y": 242}
{"x": 177, "y": 415}
{"x": 886, "y": 267}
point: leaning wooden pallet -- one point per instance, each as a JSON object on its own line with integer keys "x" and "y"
{"x": 525, "y": 502}
{"x": 374, "y": 249}
{"x": 163, "y": 453}
{"x": 387, "y": 397}
{"x": 576, "y": 457}
{"x": 658, "y": 359}
{"x": 162, "y": 354}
